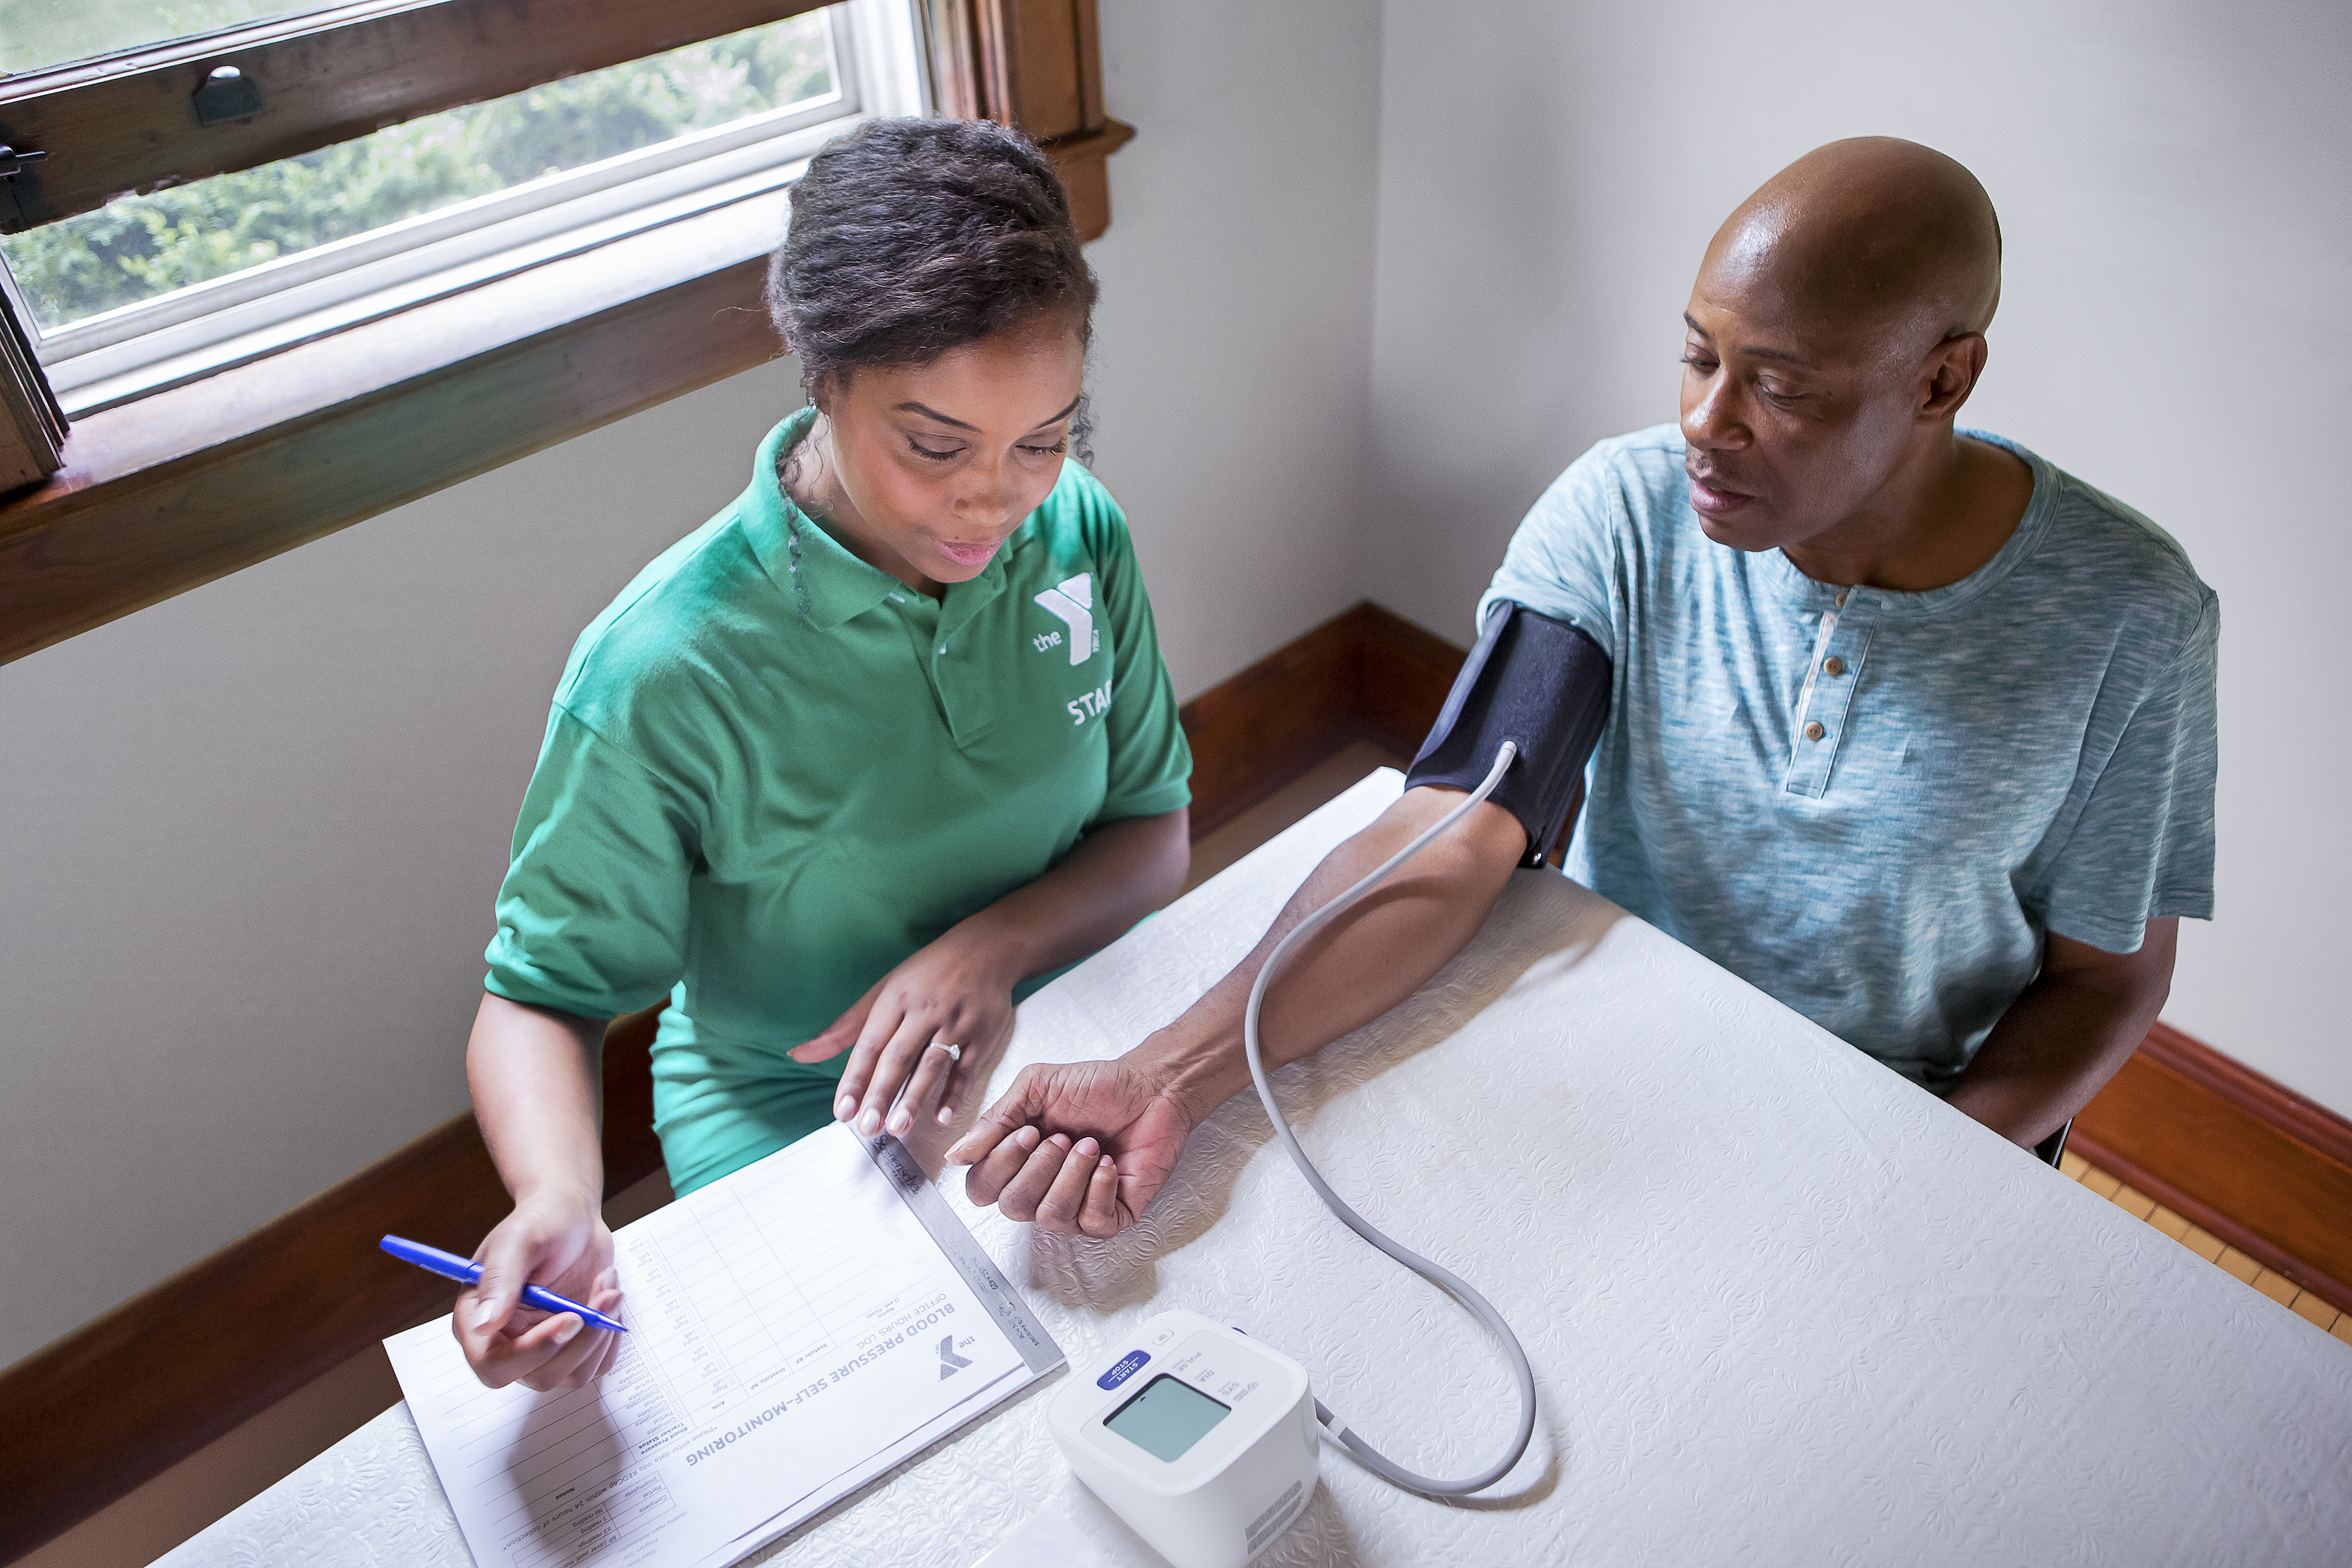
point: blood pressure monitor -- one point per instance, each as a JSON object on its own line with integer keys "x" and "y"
{"x": 1206, "y": 1441}
{"x": 1203, "y": 1441}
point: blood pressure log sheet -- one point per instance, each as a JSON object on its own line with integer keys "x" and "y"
{"x": 795, "y": 1329}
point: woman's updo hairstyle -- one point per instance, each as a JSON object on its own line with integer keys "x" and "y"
{"x": 910, "y": 237}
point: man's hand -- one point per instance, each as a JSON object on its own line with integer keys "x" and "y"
{"x": 1085, "y": 1146}
{"x": 955, "y": 991}
{"x": 562, "y": 1246}
{"x": 1075, "y": 1146}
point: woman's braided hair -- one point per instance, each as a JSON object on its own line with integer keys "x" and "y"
{"x": 910, "y": 237}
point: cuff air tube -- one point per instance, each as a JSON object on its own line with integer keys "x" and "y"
{"x": 1534, "y": 680}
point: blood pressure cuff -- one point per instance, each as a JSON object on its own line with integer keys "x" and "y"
{"x": 1534, "y": 681}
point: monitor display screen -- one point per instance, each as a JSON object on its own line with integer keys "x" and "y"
{"x": 1167, "y": 1418}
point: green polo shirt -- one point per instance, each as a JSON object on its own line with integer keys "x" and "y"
{"x": 774, "y": 771}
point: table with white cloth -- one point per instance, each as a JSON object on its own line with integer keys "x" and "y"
{"x": 1783, "y": 1305}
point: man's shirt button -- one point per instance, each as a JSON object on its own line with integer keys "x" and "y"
{"x": 1834, "y": 665}
{"x": 1813, "y": 731}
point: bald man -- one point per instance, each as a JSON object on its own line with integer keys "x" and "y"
{"x": 1899, "y": 723}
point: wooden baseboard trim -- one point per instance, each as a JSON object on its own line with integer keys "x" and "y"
{"x": 116, "y": 1403}
{"x": 1365, "y": 675}
{"x": 2257, "y": 1165}
{"x": 119, "y": 1401}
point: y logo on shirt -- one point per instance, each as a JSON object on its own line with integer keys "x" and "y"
{"x": 1072, "y": 603}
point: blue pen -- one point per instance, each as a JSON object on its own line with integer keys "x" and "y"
{"x": 466, "y": 1271}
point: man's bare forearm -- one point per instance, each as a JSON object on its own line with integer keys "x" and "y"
{"x": 1365, "y": 962}
{"x": 2068, "y": 1033}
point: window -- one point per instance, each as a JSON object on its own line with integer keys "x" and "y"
{"x": 284, "y": 266}
{"x": 34, "y": 34}
{"x": 153, "y": 291}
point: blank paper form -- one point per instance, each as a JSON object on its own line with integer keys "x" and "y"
{"x": 794, "y": 1330}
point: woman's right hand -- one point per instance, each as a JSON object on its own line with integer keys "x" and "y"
{"x": 562, "y": 1245}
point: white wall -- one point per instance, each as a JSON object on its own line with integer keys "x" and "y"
{"x": 2170, "y": 178}
{"x": 1233, "y": 360}
{"x": 252, "y": 835}
{"x": 251, "y": 842}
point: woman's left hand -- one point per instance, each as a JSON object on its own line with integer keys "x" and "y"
{"x": 956, "y": 991}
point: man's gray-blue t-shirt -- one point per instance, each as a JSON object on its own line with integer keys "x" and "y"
{"x": 2027, "y": 750}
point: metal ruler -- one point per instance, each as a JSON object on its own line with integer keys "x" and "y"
{"x": 954, "y": 1238}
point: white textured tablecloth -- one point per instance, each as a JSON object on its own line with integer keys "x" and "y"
{"x": 1783, "y": 1308}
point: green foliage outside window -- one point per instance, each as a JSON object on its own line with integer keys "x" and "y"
{"x": 137, "y": 248}
{"x": 36, "y": 33}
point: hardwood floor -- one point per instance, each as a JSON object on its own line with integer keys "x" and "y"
{"x": 1213, "y": 852}
{"x": 2212, "y": 1249}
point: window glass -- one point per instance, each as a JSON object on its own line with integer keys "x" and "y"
{"x": 36, "y": 33}
{"x": 140, "y": 247}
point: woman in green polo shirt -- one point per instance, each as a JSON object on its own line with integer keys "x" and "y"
{"x": 844, "y": 766}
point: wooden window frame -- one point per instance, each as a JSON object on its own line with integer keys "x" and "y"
{"x": 173, "y": 489}
{"x": 126, "y": 122}
{"x": 32, "y": 426}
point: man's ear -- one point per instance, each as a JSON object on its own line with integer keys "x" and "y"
{"x": 1951, "y": 372}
